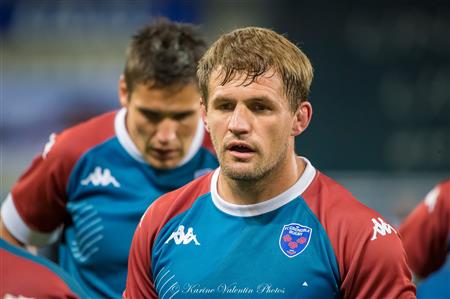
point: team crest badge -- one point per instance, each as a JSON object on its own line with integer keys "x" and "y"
{"x": 294, "y": 239}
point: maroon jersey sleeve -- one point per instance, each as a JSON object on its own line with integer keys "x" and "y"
{"x": 140, "y": 282}
{"x": 35, "y": 208}
{"x": 26, "y": 276}
{"x": 426, "y": 231}
{"x": 369, "y": 253}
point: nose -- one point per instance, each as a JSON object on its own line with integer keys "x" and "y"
{"x": 166, "y": 131}
{"x": 239, "y": 122}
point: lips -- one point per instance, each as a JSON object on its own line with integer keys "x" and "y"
{"x": 164, "y": 153}
{"x": 240, "y": 147}
{"x": 240, "y": 150}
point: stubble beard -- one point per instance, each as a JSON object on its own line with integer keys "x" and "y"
{"x": 263, "y": 168}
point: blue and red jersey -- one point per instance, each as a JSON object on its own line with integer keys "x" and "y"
{"x": 93, "y": 184}
{"x": 312, "y": 241}
{"x": 426, "y": 231}
{"x": 28, "y": 276}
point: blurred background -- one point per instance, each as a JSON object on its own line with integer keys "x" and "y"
{"x": 381, "y": 93}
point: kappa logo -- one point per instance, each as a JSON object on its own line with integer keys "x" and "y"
{"x": 48, "y": 146}
{"x": 100, "y": 177}
{"x": 180, "y": 237}
{"x": 381, "y": 227}
{"x": 431, "y": 199}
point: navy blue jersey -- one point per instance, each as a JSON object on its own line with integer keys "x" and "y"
{"x": 92, "y": 183}
{"x": 314, "y": 240}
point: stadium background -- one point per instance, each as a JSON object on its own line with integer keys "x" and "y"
{"x": 381, "y": 93}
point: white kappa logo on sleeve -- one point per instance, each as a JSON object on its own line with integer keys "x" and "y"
{"x": 431, "y": 199}
{"x": 180, "y": 237}
{"x": 381, "y": 227}
{"x": 48, "y": 146}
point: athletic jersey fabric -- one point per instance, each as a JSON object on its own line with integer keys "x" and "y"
{"x": 312, "y": 241}
{"x": 92, "y": 181}
{"x": 26, "y": 276}
{"x": 426, "y": 231}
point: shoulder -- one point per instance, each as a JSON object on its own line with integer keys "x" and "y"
{"x": 174, "y": 203}
{"x": 362, "y": 241}
{"x": 439, "y": 196}
{"x": 332, "y": 203}
{"x": 76, "y": 140}
{"x": 38, "y": 275}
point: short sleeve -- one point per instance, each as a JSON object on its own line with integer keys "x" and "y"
{"x": 426, "y": 230}
{"x": 34, "y": 210}
{"x": 139, "y": 278}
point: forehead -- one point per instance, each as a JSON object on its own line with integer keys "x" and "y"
{"x": 268, "y": 85}
{"x": 175, "y": 97}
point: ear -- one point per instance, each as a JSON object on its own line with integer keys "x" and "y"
{"x": 203, "y": 114}
{"x": 302, "y": 118}
{"x": 123, "y": 91}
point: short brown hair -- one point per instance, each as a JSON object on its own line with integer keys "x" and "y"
{"x": 163, "y": 53}
{"x": 254, "y": 51}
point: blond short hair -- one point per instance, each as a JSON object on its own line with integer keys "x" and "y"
{"x": 255, "y": 51}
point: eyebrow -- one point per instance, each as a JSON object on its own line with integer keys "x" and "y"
{"x": 251, "y": 99}
{"x": 166, "y": 113}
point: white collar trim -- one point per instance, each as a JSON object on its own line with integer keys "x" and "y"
{"x": 266, "y": 206}
{"x": 196, "y": 143}
{"x": 131, "y": 149}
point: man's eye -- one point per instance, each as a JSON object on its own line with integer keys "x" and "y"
{"x": 181, "y": 116}
{"x": 151, "y": 116}
{"x": 259, "y": 107}
{"x": 225, "y": 107}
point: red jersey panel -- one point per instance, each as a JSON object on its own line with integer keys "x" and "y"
{"x": 426, "y": 231}
{"x": 46, "y": 180}
{"x": 24, "y": 275}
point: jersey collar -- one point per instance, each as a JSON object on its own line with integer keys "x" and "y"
{"x": 266, "y": 206}
{"x": 129, "y": 146}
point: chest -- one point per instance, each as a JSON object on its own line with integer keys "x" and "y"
{"x": 106, "y": 200}
{"x": 212, "y": 254}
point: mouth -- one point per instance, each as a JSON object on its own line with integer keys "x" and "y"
{"x": 240, "y": 150}
{"x": 164, "y": 154}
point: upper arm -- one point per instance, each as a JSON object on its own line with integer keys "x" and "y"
{"x": 34, "y": 210}
{"x": 139, "y": 278}
{"x": 376, "y": 265}
{"x": 425, "y": 232}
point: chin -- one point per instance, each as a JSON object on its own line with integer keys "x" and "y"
{"x": 162, "y": 165}
{"x": 241, "y": 173}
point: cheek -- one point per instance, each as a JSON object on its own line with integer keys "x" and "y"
{"x": 217, "y": 125}
{"x": 143, "y": 128}
{"x": 188, "y": 128}
{"x": 276, "y": 136}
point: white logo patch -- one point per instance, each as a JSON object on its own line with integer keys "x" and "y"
{"x": 180, "y": 237}
{"x": 48, "y": 146}
{"x": 381, "y": 227}
{"x": 100, "y": 178}
{"x": 431, "y": 198}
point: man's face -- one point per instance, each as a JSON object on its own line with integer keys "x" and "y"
{"x": 251, "y": 126}
{"x": 162, "y": 121}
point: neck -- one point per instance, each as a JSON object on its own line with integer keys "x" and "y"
{"x": 246, "y": 192}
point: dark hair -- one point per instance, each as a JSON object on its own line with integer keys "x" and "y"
{"x": 163, "y": 53}
{"x": 254, "y": 51}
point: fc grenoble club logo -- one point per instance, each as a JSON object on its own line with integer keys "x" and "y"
{"x": 294, "y": 239}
